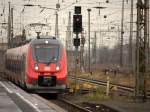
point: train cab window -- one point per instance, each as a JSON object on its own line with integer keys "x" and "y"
{"x": 46, "y": 53}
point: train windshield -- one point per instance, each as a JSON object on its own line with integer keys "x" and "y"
{"x": 46, "y": 53}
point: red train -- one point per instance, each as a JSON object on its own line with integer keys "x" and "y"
{"x": 39, "y": 66}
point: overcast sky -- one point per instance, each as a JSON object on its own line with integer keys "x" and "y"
{"x": 98, "y": 22}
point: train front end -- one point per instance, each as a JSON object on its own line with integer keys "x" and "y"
{"x": 46, "y": 68}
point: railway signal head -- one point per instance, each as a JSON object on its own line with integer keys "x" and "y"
{"x": 77, "y": 23}
{"x": 76, "y": 42}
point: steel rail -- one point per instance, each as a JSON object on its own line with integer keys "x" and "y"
{"x": 74, "y": 105}
{"x": 60, "y": 99}
{"x": 103, "y": 83}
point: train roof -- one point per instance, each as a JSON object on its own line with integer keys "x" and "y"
{"x": 43, "y": 40}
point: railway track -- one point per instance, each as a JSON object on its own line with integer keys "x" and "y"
{"x": 70, "y": 106}
{"x": 89, "y": 107}
{"x": 104, "y": 83}
{"x": 63, "y": 103}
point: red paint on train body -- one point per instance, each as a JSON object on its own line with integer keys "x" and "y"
{"x": 40, "y": 65}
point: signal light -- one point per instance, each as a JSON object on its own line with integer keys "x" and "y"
{"x": 76, "y": 42}
{"x": 77, "y": 23}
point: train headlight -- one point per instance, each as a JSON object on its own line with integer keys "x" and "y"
{"x": 36, "y": 67}
{"x": 58, "y": 67}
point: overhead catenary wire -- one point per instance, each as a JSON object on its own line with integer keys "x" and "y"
{"x": 66, "y": 6}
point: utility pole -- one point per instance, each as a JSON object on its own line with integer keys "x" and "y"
{"x": 118, "y": 44}
{"x": 68, "y": 41}
{"x": 69, "y": 32}
{"x": 89, "y": 10}
{"x": 93, "y": 64}
{"x": 56, "y": 23}
{"x": 122, "y": 32}
{"x": 148, "y": 30}
{"x": 141, "y": 49}
{"x": 82, "y": 50}
{"x": 94, "y": 48}
{"x": 9, "y": 27}
{"x": 12, "y": 33}
{"x": 131, "y": 37}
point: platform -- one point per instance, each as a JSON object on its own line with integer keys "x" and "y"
{"x": 14, "y": 99}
